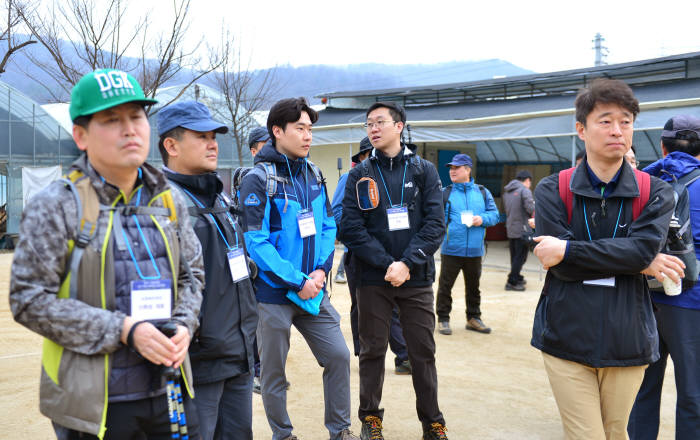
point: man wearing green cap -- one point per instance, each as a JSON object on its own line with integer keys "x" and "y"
{"x": 105, "y": 256}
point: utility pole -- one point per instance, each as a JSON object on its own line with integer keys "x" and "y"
{"x": 601, "y": 52}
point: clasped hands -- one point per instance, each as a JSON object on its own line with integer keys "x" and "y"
{"x": 397, "y": 273}
{"x": 313, "y": 285}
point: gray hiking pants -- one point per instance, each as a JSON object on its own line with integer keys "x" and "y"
{"x": 326, "y": 342}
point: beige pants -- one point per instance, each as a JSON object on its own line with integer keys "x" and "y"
{"x": 594, "y": 403}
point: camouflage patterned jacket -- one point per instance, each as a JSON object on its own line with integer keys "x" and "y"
{"x": 85, "y": 335}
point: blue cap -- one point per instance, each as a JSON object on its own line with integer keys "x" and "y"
{"x": 258, "y": 134}
{"x": 461, "y": 160}
{"x": 191, "y": 115}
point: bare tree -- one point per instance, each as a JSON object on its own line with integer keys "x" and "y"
{"x": 85, "y": 35}
{"x": 244, "y": 91}
{"x": 8, "y": 34}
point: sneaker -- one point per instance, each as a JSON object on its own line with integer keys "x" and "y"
{"x": 403, "y": 368}
{"x": 444, "y": 328}
{"x": 340, "y": 278}
{"x": 372, "y": 429}
{"x": 348, "y": 435}
{"x": 477, "y": 325}
{"x": 256, "y": 385}
{"x": 517, "y": 287}
{"x": 437, "y": 431}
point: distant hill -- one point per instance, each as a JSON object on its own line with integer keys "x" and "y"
{"x": 305, "y": 81}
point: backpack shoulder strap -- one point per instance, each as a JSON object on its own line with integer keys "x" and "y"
{"x": 690, "y": 177}
{"x": 644, "y": 183}
{"x": 565, "y": 190}
{"x": 446, "y": 202}
{"x": 88, "y": 208}
{"x": 271, "y": 177}
{"x": 482, "y": 189}
{"x": 446, "y": 191}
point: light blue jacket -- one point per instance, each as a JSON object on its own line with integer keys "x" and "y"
{"x": 460, "y": 240}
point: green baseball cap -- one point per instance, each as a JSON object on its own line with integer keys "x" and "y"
{"x": 103, "y": 89}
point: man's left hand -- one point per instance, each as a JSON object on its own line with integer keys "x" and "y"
{"x": 550, "y": 250}
{"x": 477, "y": 220}
{"x": 397, "y": 273}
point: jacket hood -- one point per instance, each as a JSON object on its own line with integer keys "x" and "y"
{"x": 677, "y": 163}
{"x": 513, "y": 185}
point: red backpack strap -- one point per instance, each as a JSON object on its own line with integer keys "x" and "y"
{"x": 565, "y": 191}
{"x": 644, "y": 183}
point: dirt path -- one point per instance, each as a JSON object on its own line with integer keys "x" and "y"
{"x": 491, "y": 386}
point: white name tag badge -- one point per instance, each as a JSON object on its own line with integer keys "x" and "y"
{"x": 151, "y": 299}
{"x": 606, "y": 282}
{"x": 307, "y": 226}
{"x": 398, "y": 218}
{"x": 467, "y": 218}
{"x": 238, "y": 265}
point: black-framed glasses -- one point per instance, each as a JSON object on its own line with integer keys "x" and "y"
{"x": 379, "y": 124}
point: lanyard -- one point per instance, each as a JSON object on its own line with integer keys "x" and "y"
{"x": 221, "y": 233}
{"x": 294, "y": 182}
{"x": 145, "y": 242}
{"x": 585, "y": 216}
{"x": 403, "y": 182}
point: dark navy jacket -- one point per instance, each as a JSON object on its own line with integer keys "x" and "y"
{"x": 366, "y": 233}
{"x": 679, "y": 164}
{"x": 271, "y": 229}
{"x": 223, "y": 345}
{"x": 593, "y": 324}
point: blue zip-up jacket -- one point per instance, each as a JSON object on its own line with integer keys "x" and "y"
{"x": 461, "y": 241}
{"x": 679, "y": 164}
{"x": 271, "y": 229}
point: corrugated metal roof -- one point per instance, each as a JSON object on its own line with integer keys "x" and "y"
{"x": 652, "y": 71}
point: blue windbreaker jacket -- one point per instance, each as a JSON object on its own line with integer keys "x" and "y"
{"x": 679, "y": 164}
{"x": 271, "y": 229}
{"x": 461, "y": 241}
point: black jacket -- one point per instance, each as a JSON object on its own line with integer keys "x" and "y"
{"x": 223, "y": 346}
{"x": 366, "y": 233}
{"x": 597, "y": 325}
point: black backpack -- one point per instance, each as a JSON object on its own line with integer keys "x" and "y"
{"x": 679, "y": 241}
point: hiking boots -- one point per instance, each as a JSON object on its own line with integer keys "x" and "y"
{"x": 477, "y": 325}
{"x": 403, "y": 368}
{"x": 437, "y": 431}
{"x": 348, "y": 435}
{"x": 372, "y": 429}
{"x": 444, "y": 328}
{"x": 516, "y": 287}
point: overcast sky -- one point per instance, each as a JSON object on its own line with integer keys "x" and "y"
{"x": 541, "y": 36}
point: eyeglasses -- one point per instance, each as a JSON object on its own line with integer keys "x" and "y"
{"x": 378, "y": 124}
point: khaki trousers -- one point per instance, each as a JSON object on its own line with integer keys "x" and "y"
{"x": 594, "y": 403}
